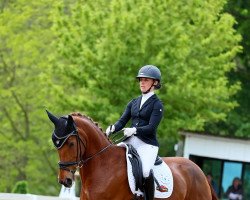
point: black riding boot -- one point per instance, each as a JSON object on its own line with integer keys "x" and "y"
{"x": 149, "y": 186}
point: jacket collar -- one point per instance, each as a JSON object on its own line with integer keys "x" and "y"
{"x": 150, "y": 99}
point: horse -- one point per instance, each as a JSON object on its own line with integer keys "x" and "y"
{"x": 82, "y": 145}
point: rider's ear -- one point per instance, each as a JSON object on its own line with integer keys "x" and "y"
{"x": 52, "y": 118}
{"x": 156, "y": 83}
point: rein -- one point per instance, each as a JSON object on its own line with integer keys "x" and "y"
{"x": 116, "y": 137}
{"x": 82, "y": 162}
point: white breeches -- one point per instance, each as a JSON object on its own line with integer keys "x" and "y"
{"x": 147, "y": 153}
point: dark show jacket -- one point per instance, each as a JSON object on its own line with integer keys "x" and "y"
{"x": 145, "y": 120}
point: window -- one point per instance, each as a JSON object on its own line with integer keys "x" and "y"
{"x": 224, "y": 171}
{"x": 230, "y": 171}
{"x": 213, "y": 167}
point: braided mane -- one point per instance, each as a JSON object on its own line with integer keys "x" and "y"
{"x": 86, "y": 117}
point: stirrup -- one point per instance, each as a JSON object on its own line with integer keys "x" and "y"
{"x": 161, "y": 188}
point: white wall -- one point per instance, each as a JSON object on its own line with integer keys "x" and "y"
{"x": 216, "y": 147}
{"x": 10, "y": 196}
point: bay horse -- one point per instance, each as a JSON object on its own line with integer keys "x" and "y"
{"x": 82, "y": 145}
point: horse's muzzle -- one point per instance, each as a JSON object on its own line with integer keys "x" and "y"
{"x": 66, "y": 182}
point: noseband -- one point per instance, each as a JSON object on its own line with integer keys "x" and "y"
{"x": 78, "y": 163}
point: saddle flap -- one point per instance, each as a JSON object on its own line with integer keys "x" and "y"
{"x": 136, "y": 166}
{"x": 162, "y": 174}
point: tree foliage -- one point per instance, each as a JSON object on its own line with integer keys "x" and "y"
{"x": 25, "y": 37}
{"x": 237, "y": 122}
{"x": 103, "y": 44}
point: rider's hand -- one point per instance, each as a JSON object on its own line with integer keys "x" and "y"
{"x": 110, "y": 130}
{"x": 129, "y": 131}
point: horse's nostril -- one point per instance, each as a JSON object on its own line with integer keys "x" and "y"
{"x": 68, "y": 182}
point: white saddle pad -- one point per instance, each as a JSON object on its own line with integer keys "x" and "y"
{"x": 162, "y": 174}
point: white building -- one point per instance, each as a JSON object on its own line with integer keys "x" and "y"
{"x": 225, "y": 158}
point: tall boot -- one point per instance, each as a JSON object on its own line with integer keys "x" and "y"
{"x": 149, "y": 186}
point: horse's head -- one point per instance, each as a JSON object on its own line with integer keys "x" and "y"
{"x": 69, "y": 145}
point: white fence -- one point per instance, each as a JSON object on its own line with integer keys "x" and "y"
{"x": 10, "y": 196}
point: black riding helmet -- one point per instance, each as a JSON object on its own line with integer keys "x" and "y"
{"x": 150, "y": 71}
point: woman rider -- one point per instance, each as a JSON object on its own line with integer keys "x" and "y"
{"x": 145, "y": 112}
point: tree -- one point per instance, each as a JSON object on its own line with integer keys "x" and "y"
{"x": 237, "y": 121}
{"x": 103, "y": 44}
{"x": 25, "y": 90}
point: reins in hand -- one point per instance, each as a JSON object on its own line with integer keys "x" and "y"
{"x": 116, "y": 137}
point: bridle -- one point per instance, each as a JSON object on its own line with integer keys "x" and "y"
{"x": 79, "y": 162}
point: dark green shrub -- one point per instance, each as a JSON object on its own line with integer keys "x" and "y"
{"x": 21, "y": 187}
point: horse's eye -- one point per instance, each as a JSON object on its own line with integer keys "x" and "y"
{"x": 71, "y": 144}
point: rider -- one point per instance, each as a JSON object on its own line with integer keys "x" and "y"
{"x": 146, "y": 112}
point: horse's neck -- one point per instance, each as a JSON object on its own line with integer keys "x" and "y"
{"x": 109, "y": 162}
{"x": 96, "y": 146}
{"x": 95, "y": 139}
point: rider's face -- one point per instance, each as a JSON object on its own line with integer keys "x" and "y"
{"x": 145, "y": 84}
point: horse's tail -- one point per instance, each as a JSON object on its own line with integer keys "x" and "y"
{"x": 214, "y": 196}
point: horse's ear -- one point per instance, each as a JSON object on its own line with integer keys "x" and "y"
{"x": 52, "y": 118}
{"x": 70, "y": 120}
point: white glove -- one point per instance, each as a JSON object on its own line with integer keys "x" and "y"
{"x": 110, "y": 130}
{"x": 129, "y": 131}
